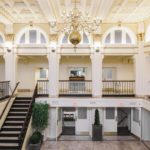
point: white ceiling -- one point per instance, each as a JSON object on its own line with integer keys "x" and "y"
{"x": 43, "y": 11}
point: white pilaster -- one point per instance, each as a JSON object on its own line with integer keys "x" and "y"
{"x": 97, "y": 60}
{"x": 140, "y": 82}
{"x": 10, "y": 66}
{"x": 53, "y": 59}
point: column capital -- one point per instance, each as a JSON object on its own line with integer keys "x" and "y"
{"x": 140, "y": 37}
{"x": 9, "y": 37}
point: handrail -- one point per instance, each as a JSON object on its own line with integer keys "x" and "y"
{"x": 9, "y": 99}
{"x": 27, "y": 119}
{"x": 75, "y": 80}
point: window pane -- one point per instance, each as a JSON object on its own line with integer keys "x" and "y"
{"x": 128, "y": 39}
{"x": 43, "y": 40}
{"x": 65, "y": 39}
{"x": 85, "y": 38}
{"x": 42, "y": 73}
{"x": 32, "y": 36}
{"x": 1, "y": 39}
{"x": 107, "y": 40}
{"x": 135, "y": 115}
{"x": 118, "y": 36}
{"x": 59, "y": 114}
{"x": 22, "y": 39}
{"x": 82, "y": 113}
{"x": 110, "y": 113}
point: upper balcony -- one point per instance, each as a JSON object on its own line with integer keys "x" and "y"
{"x": 80, "y": 88}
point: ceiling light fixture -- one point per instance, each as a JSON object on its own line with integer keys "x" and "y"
{"x": 75, "y": 22}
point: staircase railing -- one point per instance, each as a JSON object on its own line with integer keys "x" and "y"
{"x": 9, "y": 99}
{"x": 27, "y": 119}
{"x": 4, "y": 89}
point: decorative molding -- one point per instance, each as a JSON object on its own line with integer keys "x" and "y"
{"x": 97, "y": 37}
{"x": 141, "y": 36}
{"x": 53, "y": 37}
{"x": 9, "y": 37}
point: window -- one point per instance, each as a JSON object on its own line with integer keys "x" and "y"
{"x": 110, "y": 113}
{"x": 119, "y": 35}
{"x": 85, "y": 38}
{"x": 22, "y": 39}
{"x": 43, "y": 73}
{"x": 65, "y": 39}
{"x": 109, "y": 73}
{"x": 1, "y": 40}
{"x": 82, "y": 113}
{"x": 107, "y": 40}
{"x": 32, "y": 36}
{"x": 135, "y": 115}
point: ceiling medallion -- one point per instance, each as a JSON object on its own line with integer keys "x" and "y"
{"x": 73, "y": 23}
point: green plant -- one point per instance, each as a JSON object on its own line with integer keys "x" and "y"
{"x": 36, "y": 137}
{"x": 97, "y": 122}
{"x": 40, "y": 116}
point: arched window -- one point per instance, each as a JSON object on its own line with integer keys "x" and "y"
{"x": 119, "y": 35}
{"x": 84, "y": 39}
{"x": 1, "y": 39}
{"x": 32, "y": 36}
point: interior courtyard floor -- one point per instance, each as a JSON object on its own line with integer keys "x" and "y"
{"x": 90, "y": 145}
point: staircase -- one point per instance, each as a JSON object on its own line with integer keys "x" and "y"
{"x": 13, "y": 126}
{"x": 123, "y": 129}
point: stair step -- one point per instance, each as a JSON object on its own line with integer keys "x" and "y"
{"x": 9, "y": 140}
{"x": 23, "y": 98}
{"x": 17, "y": 113}
{"x": 18, "y": 109}
{"x": 13, "y": 124}
{"x": 9, "y": 133}
{"x": 21, "y": 106}
{"x": 9, "y": 146}
{"x": 22, "y": 101}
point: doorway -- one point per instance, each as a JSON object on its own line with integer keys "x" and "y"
{"x": 68, "y": 118}
{"x": 124, "y": 121}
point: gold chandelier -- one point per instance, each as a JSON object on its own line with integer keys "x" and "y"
{"x": 75, "y": 22}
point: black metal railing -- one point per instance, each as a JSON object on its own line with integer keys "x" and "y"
{"x": 118, "y": 88}
{"x": 4, "y": 89}
{"x": 27, "y": 120}
{"x": 11, "y": 96}
{"x": 75, "y": 88}
{"x": 42, "y": 86}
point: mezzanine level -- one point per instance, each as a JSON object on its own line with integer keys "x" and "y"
{"x": 122, "y": 88}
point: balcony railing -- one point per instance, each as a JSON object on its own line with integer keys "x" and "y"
{"x": 4, "y": 89}
{"x": 119, "y": 88}
{"x": 75, "y": 88}
{"x": 42, "y": 88}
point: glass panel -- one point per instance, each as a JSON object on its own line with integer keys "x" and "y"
{"x": 82, "y": 113}
{"x": 22, "y": 39}
{"x": 135, "y": 115}
{"x": 43, "y": 73}
{"x": 65, "y": 39}
{"x": 107, "y": 40}
{"x": 85, "y": 38}
{"x": 128, "y": 39}
{"x": 1, "y": 39}
{"x": 43, "y": 40}
{"x": 32, "y": 36}
{"x": 110, "y": 113}
{"x": 118, "y": 36}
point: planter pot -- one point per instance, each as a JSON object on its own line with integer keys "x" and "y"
{"x": 97, "y": 132}
{"x": 35, "y": 146}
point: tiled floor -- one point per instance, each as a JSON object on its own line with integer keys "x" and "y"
{"x": 89, "y": 145}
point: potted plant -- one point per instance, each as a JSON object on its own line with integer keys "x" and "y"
{"x": 39, "y": 123}
{"x": 97, "y": 134}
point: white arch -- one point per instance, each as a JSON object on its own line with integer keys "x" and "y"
{"x": 123, "y": 29}
{"x": 26, "y": 29}
{"x": 147, "y": 35}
